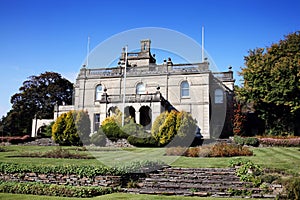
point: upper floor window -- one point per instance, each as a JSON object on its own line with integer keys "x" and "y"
{"x": 219, "y": 98}
{"x": 184, "y": 89}
{"x": 99, "y": 91}
{"x": 140, "y": 88}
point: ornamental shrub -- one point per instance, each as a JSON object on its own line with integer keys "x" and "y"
{"x": 229, "y": 150}
{"x": 83, "y": 125}
{"x": 283, "y": 142}
{"x": 249, "y": 141}
{"x": 142, "y": 142}
{"x": 112, "y": 129}
{"x": 48, "y": 130}
{"x": 98, "y": 138}
{"x": 170, "y": 124}
{"x": 132, "y": 128}
{"x": 53, "y": 189}
{"x": 71, "y": 128}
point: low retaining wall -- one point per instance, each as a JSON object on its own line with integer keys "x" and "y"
{"x": 60, "y": 179}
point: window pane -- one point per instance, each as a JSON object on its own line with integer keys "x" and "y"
{"x": 140, "y": 89}
{"x": 218, "y": 96}
{"x": 99, "y": 91}
{"x": 185, "y": 89}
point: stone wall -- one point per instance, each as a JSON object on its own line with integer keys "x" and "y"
{"x": 60, "y": 179}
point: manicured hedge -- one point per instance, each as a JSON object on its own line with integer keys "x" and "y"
{"x": 52, "y": 189}
{"x": 83, "y": 171}
{"x": 142, "y": 142}
{"x": 282, "y": 142}
{"x": 215, "y": 150}
{"x": 249, "y": 141}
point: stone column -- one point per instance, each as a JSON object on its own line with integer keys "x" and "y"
{"x": 137, "y": 116}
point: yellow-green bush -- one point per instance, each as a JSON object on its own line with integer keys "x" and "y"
{"x": 71, "y": 128}
{"x": 169, "y": 124}
{"x": 112, "y": 129}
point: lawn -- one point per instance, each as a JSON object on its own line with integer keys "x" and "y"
{"x": 287, "y": 159}
{"x": 115, "y": 196}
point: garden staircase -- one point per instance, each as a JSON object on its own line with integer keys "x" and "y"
{"x": 197, "y": 182}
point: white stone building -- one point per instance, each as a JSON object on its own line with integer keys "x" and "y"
{"x": 152, "y": 88}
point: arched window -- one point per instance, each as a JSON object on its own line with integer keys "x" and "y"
{"x": 99, "y": 91}
{"x": 219, "y": 98}
{"x": 140, "y": 88}
{"x": 184, "y": 89}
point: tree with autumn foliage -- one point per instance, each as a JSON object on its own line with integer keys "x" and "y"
{"x": 239, "y": 119}
{"x": 272, "y": 84}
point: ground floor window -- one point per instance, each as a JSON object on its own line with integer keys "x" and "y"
{"x": 96, "y": 121}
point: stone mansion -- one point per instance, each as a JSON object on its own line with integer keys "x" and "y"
{"x": 151, "y": 89}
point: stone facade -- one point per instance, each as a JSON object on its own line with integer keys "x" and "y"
{"x": 153, "y": 88}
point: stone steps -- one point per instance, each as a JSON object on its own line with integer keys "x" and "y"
{"x": 195, "y": 182}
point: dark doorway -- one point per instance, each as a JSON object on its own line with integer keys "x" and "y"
{"x": 146, "y": 117}
{"x": 130, "y": 112}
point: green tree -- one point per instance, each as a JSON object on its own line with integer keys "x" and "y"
{"x": 185, "y": 124}
{"x": 83, "y": 125}
{"x": 37, "y": 96}
{"x": 70, "y": 133}
{"x": 272, "y": 84}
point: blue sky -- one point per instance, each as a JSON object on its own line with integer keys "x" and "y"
{"x": 51, "y": 35}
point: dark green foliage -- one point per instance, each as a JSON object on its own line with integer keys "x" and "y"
{"x": 52, "y": 189}
{"x": 142, "y": 141}
{"x": 98, "y": 138}
{"x": 272, "y": 85}
{"x": 132, "y": 128}
{"x": 83, "y": 126}
{"x": 88, "y": 171}
{"x": 47, "y": 131}
{"x": 249, "y": 141}
{"x": 83, "y": 171}
{"x": 38, "y": 95}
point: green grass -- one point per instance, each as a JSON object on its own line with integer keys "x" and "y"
{"x": 282, "y": 158}
{"x": 287, "y": 159}
{"x": 115, "y": 196}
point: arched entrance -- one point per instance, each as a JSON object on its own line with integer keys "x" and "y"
{"x": 130, "y": 112}
{"x": 146, "y": 117}
{"x": 112, "y": 111}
